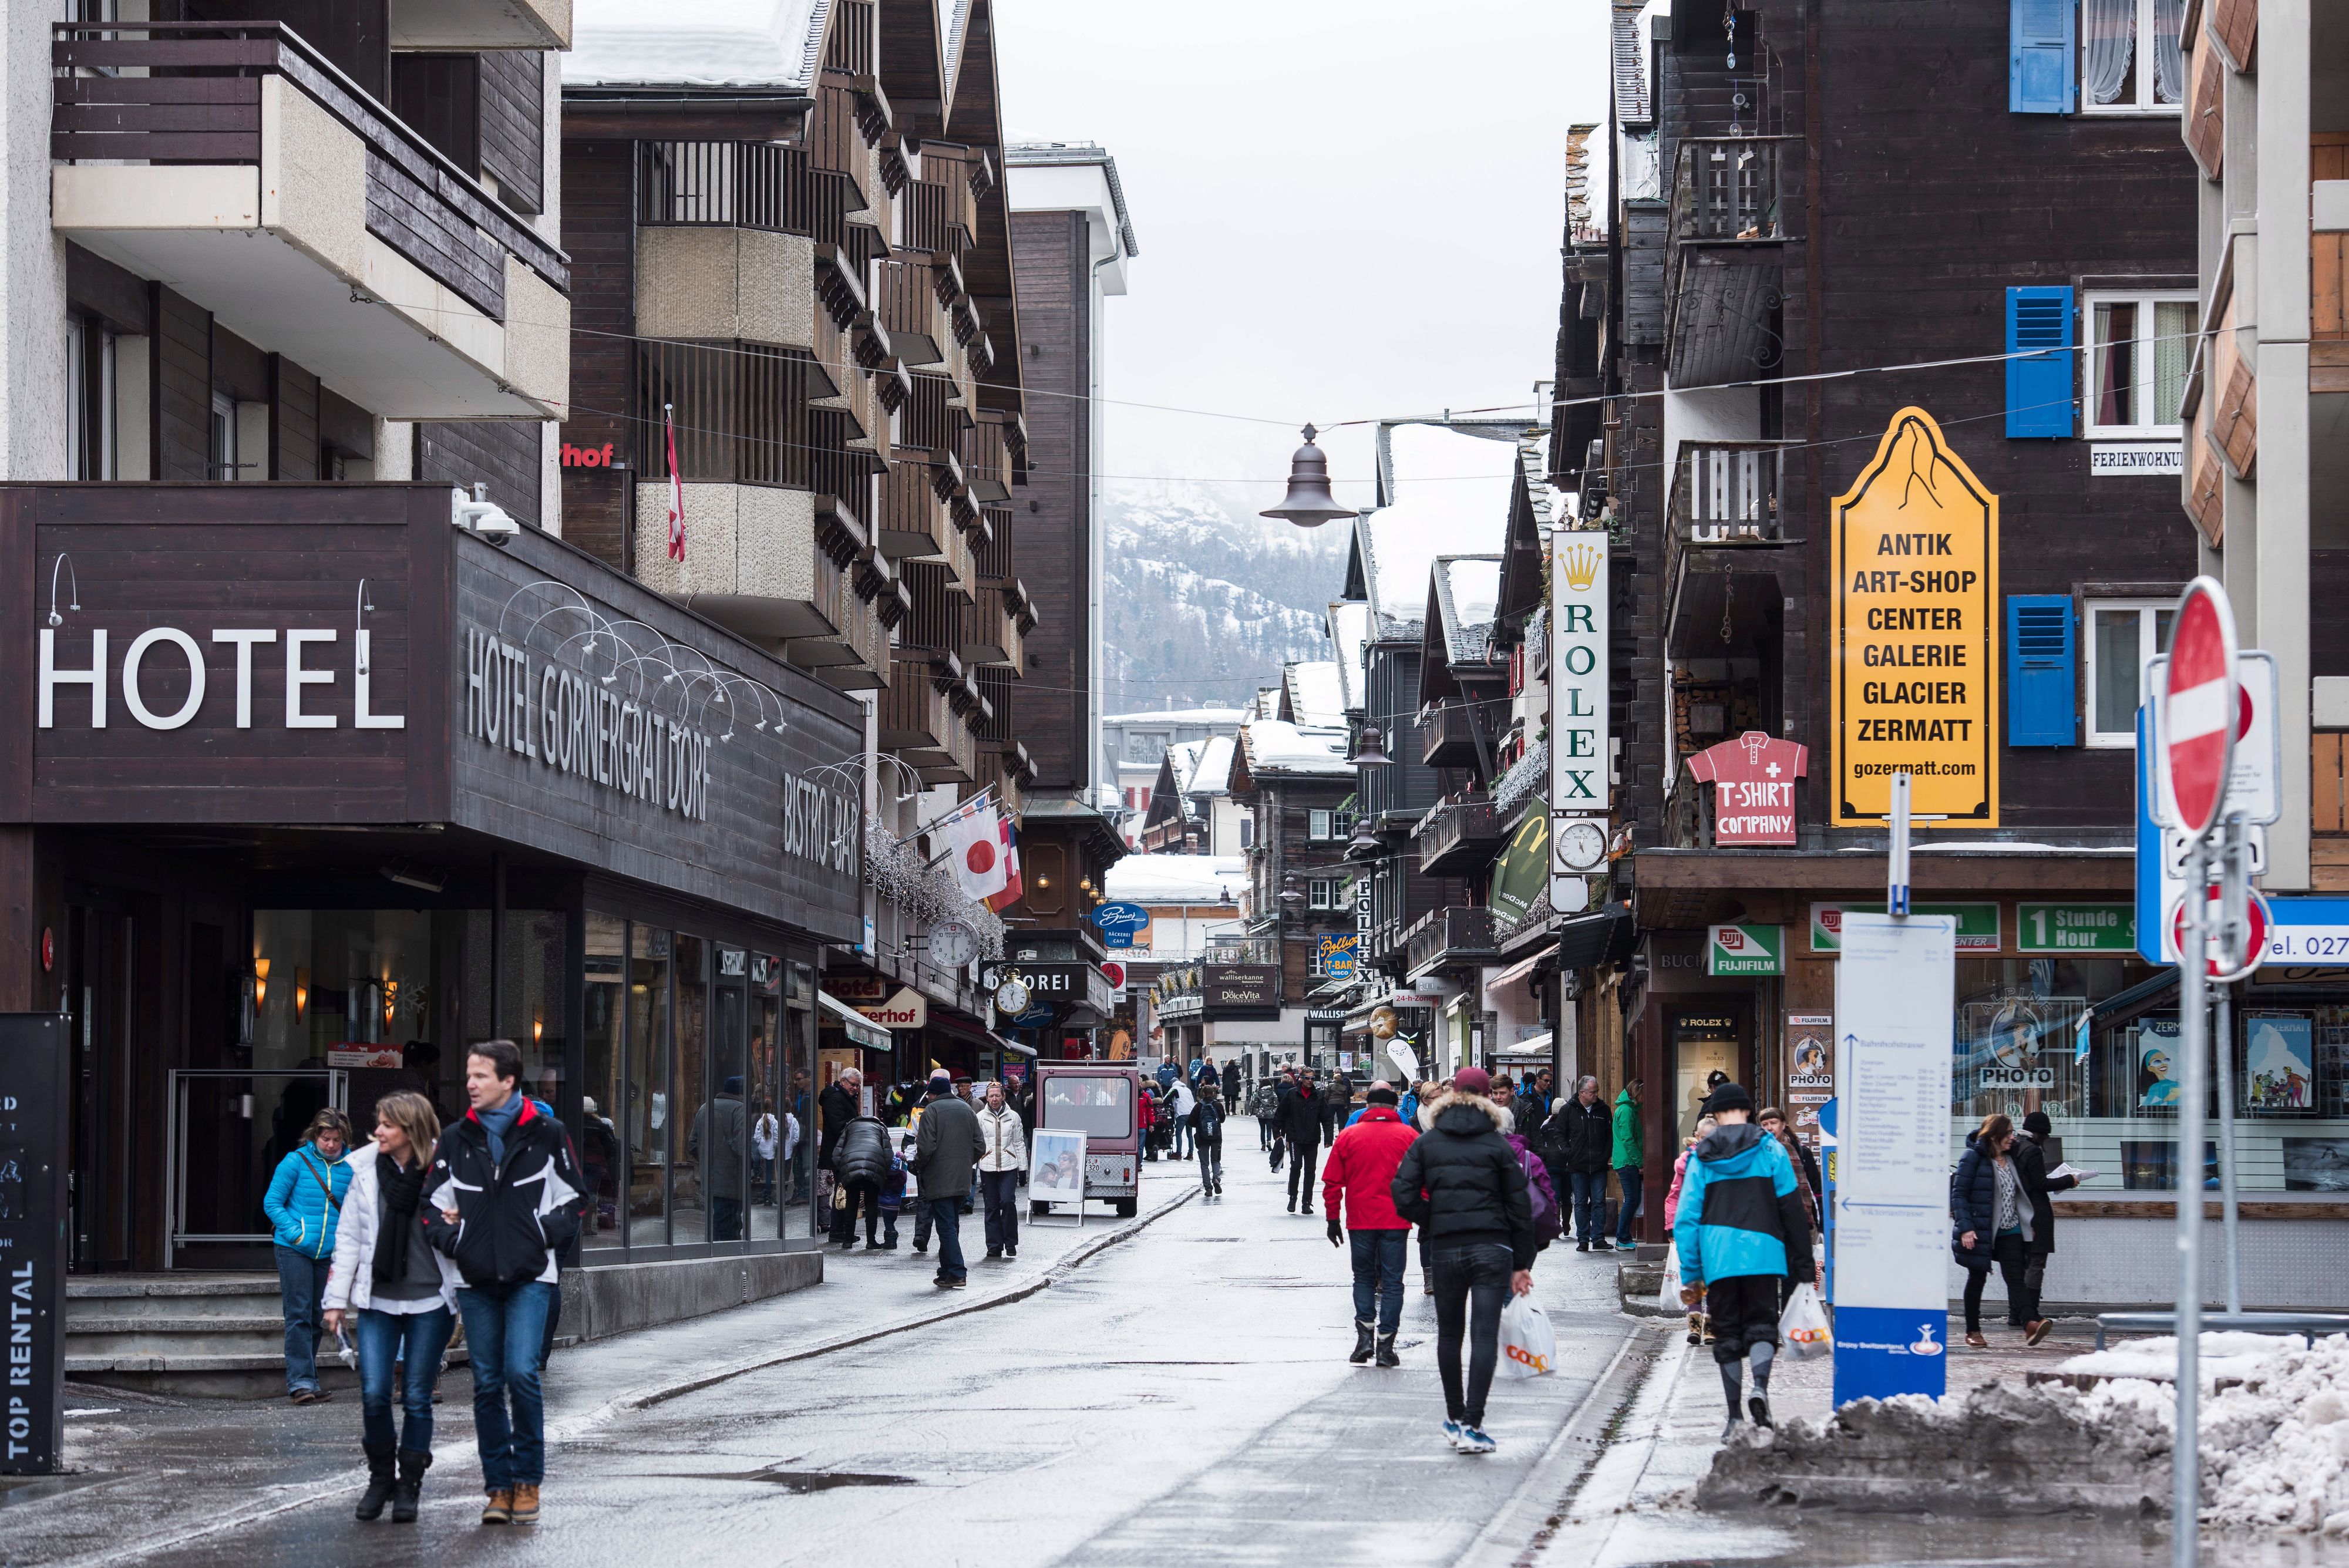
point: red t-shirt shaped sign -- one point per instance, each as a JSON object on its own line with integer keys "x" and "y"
{"x": 2198, "y": 717}
{"x": 1753, "y": 780}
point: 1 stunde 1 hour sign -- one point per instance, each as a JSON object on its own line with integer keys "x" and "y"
{"x": 1914, "y": 669}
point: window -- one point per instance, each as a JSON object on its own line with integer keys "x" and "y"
{"x": 1144, "y": 747}
{"x": 2122, "y": 635}
{"x": 1248, "y": 833}
{"x": 90, "y": 438}
{"x": 1316, "y": 826}
{"x": 1329, "y": 827}
{"x": 2129, "y": 61}
{"x": 1325, "y": 894}
{"x": 2139, "y": 347}
{"x": 223, "y": 436}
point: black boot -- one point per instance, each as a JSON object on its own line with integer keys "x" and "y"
{"x": 378, "y": 1487}
{"x": 405, "y": 1491}
{"x": 1362, "y": 1335}
{"x": 1387, "y": 1357}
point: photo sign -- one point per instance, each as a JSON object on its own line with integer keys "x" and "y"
{"x": 1581, "y": 767}
{"x": 1914, "y": 666}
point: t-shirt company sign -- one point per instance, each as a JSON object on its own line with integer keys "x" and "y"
{"x": 1915, "y": 666}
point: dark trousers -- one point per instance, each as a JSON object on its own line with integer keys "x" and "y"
{"x": 2009, "y": 1252}
{"x": 1590, "y": 1203}
{"x": 503, "y": 1330}
{"x": 1263, "y": 1134}
{"x": 1211, "y": 1162}
{"x": 1744, "y": 1310}
{"x": 1378, "y": 1277}
{"x": 301, "y": 1291}
{"x": 844, "y": 1205}
{"x": 1627, "y": 1177}
{"x": 1471, "y": 1286}
{"x": 1301, "y": 1156}
{"x": 725, "y": 1219}
{"x": 1000, "y": 1192}
{"x": 415, "y": 1340}
{"x": 946, "y": 1214}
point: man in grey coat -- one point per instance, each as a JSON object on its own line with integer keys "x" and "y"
{"x": 946, "y": 1152}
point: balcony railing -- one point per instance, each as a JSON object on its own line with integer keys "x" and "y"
{"x": 725, "y": 184}
{"x": 1729, "y": 188}
{"x": 740, "y": 412}
{"x": 1459, "y": 836}
{"x": 1452, "y": 936}
{"x": 1447, "y": 736}
{"x": 1724, "y": 491}
{"x": 913, "y": 715}
{"x": 1725, "y": 230}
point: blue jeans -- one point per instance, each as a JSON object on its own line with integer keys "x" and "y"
{"x": 504, "y": 1330}
{"x": 301, "y": 1290}
{"x": 1627, "y": 1177}
{"x": 946, "y": 1217}
{"x": 416, "y": 1338}
{"x": 1377, "y": 1276}
{"x": 1590, "y": 1202}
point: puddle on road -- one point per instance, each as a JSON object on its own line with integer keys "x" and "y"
{"x": 806, "y": 1481}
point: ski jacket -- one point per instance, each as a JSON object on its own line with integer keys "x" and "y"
{"x": 304, "y": 1197}
{"x": 1460, "y": 1181}
{"x": 513, "y": 1216}
{"x": 1630, "y": 1142}
{"x": 1301, "y": 1118}
{"x": 1002, "y": 1141}
{"x": 1739, "y": 1211}
{"x": 862, "y": 1152}
{"x": 1362, "y": 1170}
{"x": 1580, "y": 1137}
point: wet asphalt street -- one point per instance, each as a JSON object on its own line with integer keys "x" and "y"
{"x": 1183, "y": 1397}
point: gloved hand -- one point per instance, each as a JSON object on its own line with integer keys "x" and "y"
{"x": 1337, "y": 1232}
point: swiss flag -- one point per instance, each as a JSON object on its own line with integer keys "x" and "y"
{"x": 675, "y": 489}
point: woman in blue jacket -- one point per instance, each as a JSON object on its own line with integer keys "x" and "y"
{"x": 303, "y": 1200}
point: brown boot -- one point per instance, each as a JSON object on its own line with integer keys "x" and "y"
{"x": 499, "y": 1510}
{"x": 525, "y": 1505}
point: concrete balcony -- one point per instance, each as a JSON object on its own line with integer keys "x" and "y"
{"x": 234, "y": 163}
{"x": 481, "y": 23}
{"x": 751, "y": 561}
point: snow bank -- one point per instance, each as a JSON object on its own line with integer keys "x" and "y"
{"x": 2225, "y": 1356}
{"x": 2275, "y": 1445}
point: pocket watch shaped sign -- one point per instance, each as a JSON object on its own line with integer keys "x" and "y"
{"x": 1915, "y": 668}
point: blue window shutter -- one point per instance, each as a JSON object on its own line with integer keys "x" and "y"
{"x": 2041, "y": 653}
{"x": 2039, "y": 53}
{"x": 2039, "y": 397}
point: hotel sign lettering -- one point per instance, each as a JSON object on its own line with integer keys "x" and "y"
{"x": 1915, "y": 663}
{"x": 539, "y": 709}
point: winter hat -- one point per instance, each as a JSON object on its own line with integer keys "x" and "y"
{"x": 1472, "y": 1081}
{"x": 2037, "y": 1125}
{"x": 942, "y": 1079}
{"x": 1381, "y": 1094}
{"x": 1729, "y": 1097}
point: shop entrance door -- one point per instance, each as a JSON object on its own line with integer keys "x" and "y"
{"x": 1699, "y": 1043}
{"x": 101, "y": 995}
{"x": 228, "y": 1128}
{"x": 722, "y": 1133}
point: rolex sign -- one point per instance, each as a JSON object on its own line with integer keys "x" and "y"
{"x": 1579, "y": 767}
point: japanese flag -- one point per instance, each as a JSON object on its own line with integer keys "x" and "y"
{"x": 975, "y": 848}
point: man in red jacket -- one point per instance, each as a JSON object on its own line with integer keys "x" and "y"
{"x": 1361, "y": 1168}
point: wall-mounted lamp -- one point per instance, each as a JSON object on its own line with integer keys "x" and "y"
{"x": 1043, "y": 882}
{"x": 390, "y": 999}
{"x": 359, "y": 615}
{"x": 260, "y": 982}
{"x": 66, "y": 565}
{"x": 537, "y": 1030}
{"x": 301, "y": 992}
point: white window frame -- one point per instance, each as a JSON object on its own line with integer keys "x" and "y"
{"x": 1323, "y": 893}
{"x": 1316, "y": 826}
{"x": 2148, "y": 645}
{"x": 222, "y": 437}
{"x": 2092, "y": 387}
{"x": 2142, "y": 64}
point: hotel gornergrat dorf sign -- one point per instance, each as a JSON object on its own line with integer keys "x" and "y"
{"x": 1914, "y": 666}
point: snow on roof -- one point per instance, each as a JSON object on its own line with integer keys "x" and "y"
{"x": 1162, "y": 879}
{"x": 1277, "y": 746}
{"x": 1316, "y": 693}
{"x": 1201, "y": 766}
{"x": 1468, "y": 590}
{"x": 696, "y": 43}
{"x": 1231, "y": 716}
{"x": 1350, "y": 628}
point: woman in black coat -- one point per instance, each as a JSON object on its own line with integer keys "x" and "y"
{"x": 1990, "y": 1223}
{"x": 861, "y": 1161}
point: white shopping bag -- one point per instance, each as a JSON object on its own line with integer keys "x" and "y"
{"x": 1669, "y": 1296}
{"x": 1528, "y": 1345}
{"x": 1803, "y": 1326}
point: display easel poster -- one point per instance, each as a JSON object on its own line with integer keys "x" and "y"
{"x": 1895, "y": 999}
{"x": 1056, "y": 1171}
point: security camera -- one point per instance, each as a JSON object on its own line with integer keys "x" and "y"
{"x": 481, "y": 516}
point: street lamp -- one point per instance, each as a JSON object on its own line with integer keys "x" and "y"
{"x": 1373, "y": 751}
{"x": 1364, "y": 845}
{"x": 1308, "y": 502}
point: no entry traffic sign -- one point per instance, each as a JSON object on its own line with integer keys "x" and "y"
{"x": 2199, "y": 705}
{"x": 2258, "y": 921}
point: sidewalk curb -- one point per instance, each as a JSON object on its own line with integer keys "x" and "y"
{"x": 642, "y": 1398}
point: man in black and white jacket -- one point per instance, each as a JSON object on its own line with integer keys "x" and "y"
{"x": 505, "y": 1193}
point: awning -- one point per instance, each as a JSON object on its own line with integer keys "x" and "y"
{"x": 1540, "y": 1046}
{"x": 861, "y": 1030}
{"x": 1589, "y": 941}
{"x": 1016, "y": 1048}
{"x": 1518, "y": 971}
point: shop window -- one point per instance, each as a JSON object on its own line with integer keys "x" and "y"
{"x": 648, "y": 1117}
{"x": 601, "y": 1157}
{"x": 688, "y": 1210}
{"x": 2123, "y": 634}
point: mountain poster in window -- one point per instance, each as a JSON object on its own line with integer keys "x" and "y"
{"x": 1914, "y": 669}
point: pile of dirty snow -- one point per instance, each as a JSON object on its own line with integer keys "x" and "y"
{"x": 2225, "y": 1356}
{"x": 2275, "y": 1444}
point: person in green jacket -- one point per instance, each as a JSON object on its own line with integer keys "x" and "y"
{"x": 1629, "y": 1157}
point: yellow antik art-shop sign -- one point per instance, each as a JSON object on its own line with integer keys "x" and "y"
{"x": 1915, "y": 668}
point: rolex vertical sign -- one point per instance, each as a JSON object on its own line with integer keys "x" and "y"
{"x": 1580, "y": 768}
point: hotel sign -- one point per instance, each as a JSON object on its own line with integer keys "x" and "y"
{"x": 1915, "y": 664}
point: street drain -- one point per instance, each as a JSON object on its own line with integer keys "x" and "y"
{"x": 815, "y": 1481}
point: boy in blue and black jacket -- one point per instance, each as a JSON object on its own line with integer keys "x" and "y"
{"x": 893, "y": 1195}
{"x": 1741, "y": 1228}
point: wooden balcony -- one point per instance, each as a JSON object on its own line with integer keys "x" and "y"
{"x": 1447, "y": 736}
{"x": 935, "y": 625}
{"x": 856, "y": 656}
{"x": 235, "y": 159}
{"x": 742, "y": 412}
{"x": 915, "y": 719}
{"x": 1453, "y": 936}
{"x": 909, "y": 307}
{"x": 911, "y": 523}
{"x": 987, "y": 460}
{"x": 725, "y": 184}
{"x": 1723, "y": 523}
{"x": 991, "y": 634}
{"x": 1727, "y": 225}
{"x": 1459, "y": 837}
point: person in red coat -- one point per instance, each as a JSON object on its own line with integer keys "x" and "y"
{"x": 1145, "y": 1115}
{"x": 1361, "y": 1169}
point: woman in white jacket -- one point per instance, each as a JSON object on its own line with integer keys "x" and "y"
{"x": 1002, "y": 1161}
{"x": 402, "y": 1294}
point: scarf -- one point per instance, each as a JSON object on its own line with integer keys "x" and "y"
{"x": 497, "y": 1124}
{"x": 402, "y": 1191}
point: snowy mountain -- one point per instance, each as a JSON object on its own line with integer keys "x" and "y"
{"x": 1204, "y": 600}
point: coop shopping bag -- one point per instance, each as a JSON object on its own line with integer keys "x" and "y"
{"x": 1803, "y": 1326}
{"x": 1668, "y": 1297}
{"x": 1528, "y": 1347}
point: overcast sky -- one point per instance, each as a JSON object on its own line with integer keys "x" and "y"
{"x": 1346, "y": 209}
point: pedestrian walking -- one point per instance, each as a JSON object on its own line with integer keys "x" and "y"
{"x": 1806, "y": 1164}
{"x": 1544, "y": 1097}
{"x": 860, "y": 1162}
{"x": 1358, "y": 1191}
{"x": 504, "y": 1197}
{"x": 1581, "y": 1132}
{"x": 1231, "y": 1085}
{"x": 1630, "y": 1153}
{"x": 1700, "y": 1329}
{"x": 1992, "y": 1223}
{"x": 1741, "y": 1228}
{"x": 893, "y": 1189}
{"x": 1263, "y": 1103}
{"x": 1207, "y": 1137}
{"x": 718, "y": 1142}
{"x": 1773, "y": 1121}
{"x": 946, "y": 1157}
{"x": 838, "y": 1105}
{"x": 1300, "y": 1129}
{"x": 397, "y": 1295}
{"x": 304, "y": 1202}
{"x": 1462, "y": 1183}
{"x": 1336, "y": 1108}
{"x": 1548, "y": 1221}
{"x": 1180, "y": 1099}
{"x": 1145, "y": 1112}
{"x": 2029, "y": 1152}
{"x": 1002, "y": 1166}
